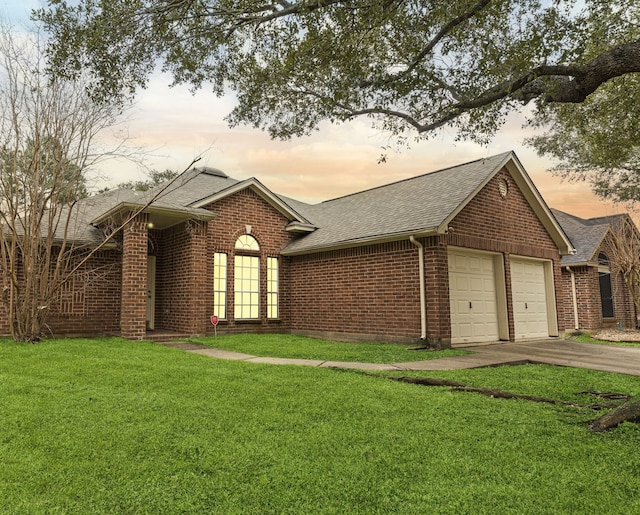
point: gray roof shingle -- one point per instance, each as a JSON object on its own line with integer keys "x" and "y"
{"x": 418, "y": 204}
{"x": 585, "y": 234}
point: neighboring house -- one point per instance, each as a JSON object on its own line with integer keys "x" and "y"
{"x": 466, "y": 254}
{"x": 596, "y": 294}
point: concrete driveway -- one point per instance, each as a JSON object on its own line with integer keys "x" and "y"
{"x": 567, "y": 353}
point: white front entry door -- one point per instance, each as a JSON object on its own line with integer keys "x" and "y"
{"x": 472, "y": 297}
{"x": 529, "y": 294}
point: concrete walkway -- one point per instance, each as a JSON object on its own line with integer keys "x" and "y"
{"x": 608, "y": 358}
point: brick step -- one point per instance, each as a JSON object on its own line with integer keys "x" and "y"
{"x": 165, "y": 336}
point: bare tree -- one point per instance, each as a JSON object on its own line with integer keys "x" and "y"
{"x": 623, "y": 240}
{"x": 48, "y": 133}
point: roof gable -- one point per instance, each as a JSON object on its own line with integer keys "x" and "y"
{"x": 263, "y": 192}
{"x": 182, "y": 198}
{"x": 586, "y": 234}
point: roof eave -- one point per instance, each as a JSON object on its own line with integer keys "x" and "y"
{"x": 579, "y": 264}
{"x": 300, "y": 227}
{"x": 361, "y": 242}
{"x": 128, "y": 206}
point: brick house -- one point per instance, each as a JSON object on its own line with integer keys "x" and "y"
{"x": 470, "y": 253}
{"x": 596, "y": 294}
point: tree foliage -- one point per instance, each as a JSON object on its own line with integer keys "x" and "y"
{"x": 47, "y": 133}
{"x": 411, "y": 66}
{"x": 598, "y": 140}
{"x": 156, "y": 178}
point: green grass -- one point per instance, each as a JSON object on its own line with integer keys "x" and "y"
{"x": 112, "y": 426}
{"x": 302, "y": 347}
{"x": 587, "y": 338}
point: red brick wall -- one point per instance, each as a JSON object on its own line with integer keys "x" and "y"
{"x": 96, "y": 291}
{"x": 181, "y": 278}
{"x": 623, "y": 306}
{"x": 370, "y": 292}
{"x": 89, "y": 303}
{"x": 437, "y": 291}
{"x": 588, "y": 297}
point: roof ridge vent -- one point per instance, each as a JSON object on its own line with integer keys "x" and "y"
{"x": 207, "y": 170}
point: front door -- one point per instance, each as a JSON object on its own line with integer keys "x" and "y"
{"x": 151, "y": 292}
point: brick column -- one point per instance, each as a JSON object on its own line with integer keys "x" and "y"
{"x": 199, "y": 299}
{"x": 437, "y": 278}
{"x": 133, "y": 306}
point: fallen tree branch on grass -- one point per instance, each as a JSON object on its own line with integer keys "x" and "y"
{"x": 501, "y": 394}
{"x": 628, "y": 412}
{"x": 487, "y": 392}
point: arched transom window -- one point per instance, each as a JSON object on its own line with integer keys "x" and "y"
{"x": 247, "y": 242}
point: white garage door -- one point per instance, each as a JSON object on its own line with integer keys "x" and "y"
{"x": 472, "y": 287}
{"x": 529, "y": 299}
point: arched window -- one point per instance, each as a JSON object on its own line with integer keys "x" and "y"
{"x": 247, "y": 242}
{"x": 247, "y": 279}
{"x": 603, "y": 259}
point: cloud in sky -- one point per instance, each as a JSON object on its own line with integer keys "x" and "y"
{"x": 177, "y": 126}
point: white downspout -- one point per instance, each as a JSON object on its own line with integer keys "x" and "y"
{"x": 423, "y": 293}
{"x": 575, "y": 298}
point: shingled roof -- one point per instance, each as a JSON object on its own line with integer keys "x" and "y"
{"x": 585, "y": 234}
{"x": 419, "y": 206}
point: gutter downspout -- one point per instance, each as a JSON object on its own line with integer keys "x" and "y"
{"x": 423, "y": 293}
{"x": 575, "y": 297}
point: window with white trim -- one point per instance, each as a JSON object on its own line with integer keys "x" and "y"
{"x": 220, "y": 285}
{"x": 246, "y": 279}
{"x": 272, "y": 287}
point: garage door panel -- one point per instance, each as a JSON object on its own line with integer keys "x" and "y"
{"x": 529, "y": 299}
{"x": 472, "y": 298}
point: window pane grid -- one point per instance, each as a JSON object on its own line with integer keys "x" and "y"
{"x": 247, "y": 242}
{"x": 220, "y": 285}
{"x": 272, "y": 287}
{"x": 247, "y": 287}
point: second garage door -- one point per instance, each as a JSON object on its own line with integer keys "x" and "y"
{"x": 472, "y": 287}
{"x": 529, "y": 295}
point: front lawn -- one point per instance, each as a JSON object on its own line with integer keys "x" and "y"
{"x": 587, "y": 338}
{"x": 302, "y": 347}
{"x": 113, "y": 426}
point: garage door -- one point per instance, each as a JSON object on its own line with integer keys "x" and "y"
{"x": 472, "y": 288}
{"x": 529, "y": 299}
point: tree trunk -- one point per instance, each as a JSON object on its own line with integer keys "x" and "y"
{"x": 629, "y": 412}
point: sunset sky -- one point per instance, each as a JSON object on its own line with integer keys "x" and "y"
{"x": 176, "y": 126}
